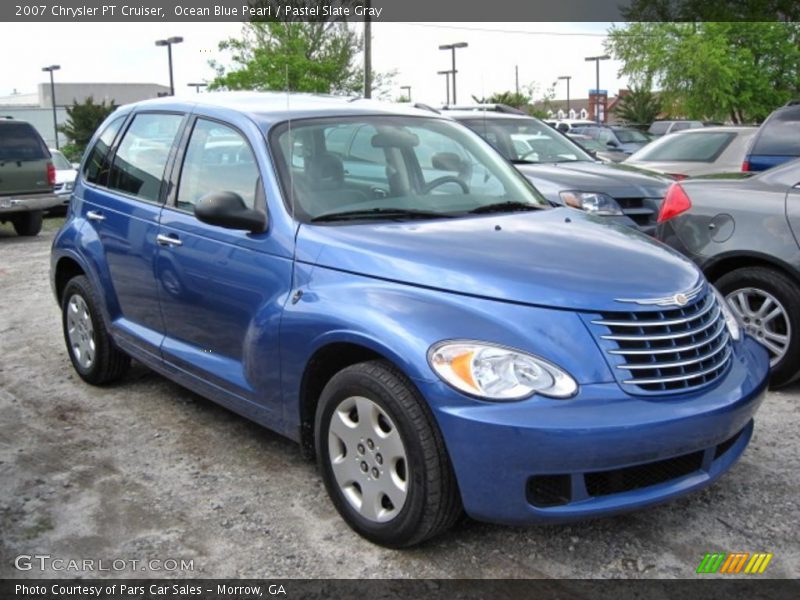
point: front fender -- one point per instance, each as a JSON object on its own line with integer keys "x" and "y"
{"x": 400, "y": 322}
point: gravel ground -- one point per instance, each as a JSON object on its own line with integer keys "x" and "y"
{"x": 147, "y": 470}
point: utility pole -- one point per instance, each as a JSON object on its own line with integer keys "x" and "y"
{"x": 452, "y": 48}
{"x": 52, "y": 68}
{"x": 597, "y": 60}
{"x": 367, "y": 52}
{"x": 168, "y": 43}
{"x": 516, "y": 78}
{"x": 447, "y": 83}
{"x": 567, "y": 78}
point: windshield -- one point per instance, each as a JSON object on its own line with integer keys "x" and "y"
{"x": 689, "y": 147}
{"x": 527, "y": 140}
{"x": 393, "y": 167}
{"x": 60, "y": 162}
{"x": 631, "y": 136}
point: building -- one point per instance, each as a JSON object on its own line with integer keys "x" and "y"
{"x": 584, "y": 108}
{"x": 37, "y": 107}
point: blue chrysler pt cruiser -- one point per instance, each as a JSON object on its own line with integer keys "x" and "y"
{"x": 380, "y": 285}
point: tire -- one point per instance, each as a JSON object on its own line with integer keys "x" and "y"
{"x": 762, "y": 286}
{"x": 397, "y": 413}
{"x": 28, "y": 224}
{"x": 90, "y": 347}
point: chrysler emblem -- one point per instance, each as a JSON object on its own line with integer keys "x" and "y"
{"x": 680, "y": 299}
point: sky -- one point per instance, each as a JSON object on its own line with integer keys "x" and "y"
{"x": 125, "y": 52}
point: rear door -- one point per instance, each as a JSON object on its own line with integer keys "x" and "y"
{"x": 24, "y": 160}
{"x": 124, "y": 208}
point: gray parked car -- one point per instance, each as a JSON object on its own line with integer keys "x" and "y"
{"x": 696, "y": 152}
{"x": 744, "y": 235}
{"x": 565, "y": 173}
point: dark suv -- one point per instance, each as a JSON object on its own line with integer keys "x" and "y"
{"x": 27, "y": 176}
{"x": 777, "y": 140}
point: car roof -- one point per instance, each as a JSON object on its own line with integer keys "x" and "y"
{"x": 268, "y": 108}
{"x": 722, "y": 128}
{"x": 484, "y": 114}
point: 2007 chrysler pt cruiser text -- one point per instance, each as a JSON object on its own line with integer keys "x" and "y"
{"x": 380, "y": 285}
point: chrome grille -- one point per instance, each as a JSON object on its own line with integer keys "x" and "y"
{"x": 667, "y": 350}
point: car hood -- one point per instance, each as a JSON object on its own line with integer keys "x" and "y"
{"x": 558, "y": 258}
{"x": 615, "y": 180}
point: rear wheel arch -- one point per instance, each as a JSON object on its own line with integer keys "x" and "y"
{"x": 720, "y": 266}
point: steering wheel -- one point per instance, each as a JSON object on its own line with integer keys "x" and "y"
{"x": 442, "y": 180}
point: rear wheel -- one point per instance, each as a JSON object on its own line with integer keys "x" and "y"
{"x": 382, "y": 457}
{"x": 29, "y": 223}
{"x": 91, "y": 349}
{"x": 768, "y": 305}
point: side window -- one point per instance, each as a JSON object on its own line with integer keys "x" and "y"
{"x": 95, "y": 169}
{"x": 336, "y": 139}
{"x": 362, "y": 148}
{"x": 138, "y": 167}
{"x": 218, "y": 159}
{"x": 681, "y": 126}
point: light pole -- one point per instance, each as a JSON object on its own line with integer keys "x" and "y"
{"x": 197, "y": 86}
{"x": 597, "y": 60}
{"x": 407, "y": 88}
{"x": 168, "y": 43}
{"x": 567, "y": 78}
{"x": 452, "y": 48}
{"x": 52, "y": 68}
{"x": 447, "y": 83}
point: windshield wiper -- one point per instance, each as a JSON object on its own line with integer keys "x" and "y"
{"x": 509, "y": 206}
{"x": 381, "y": 213}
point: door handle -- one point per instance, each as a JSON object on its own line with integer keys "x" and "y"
{"x": 94, "y": 215}
{"x": 168, "y": 240}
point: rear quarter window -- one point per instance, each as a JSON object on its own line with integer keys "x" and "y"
{"x": 780, "y": 135}
{"x": 95, "y": 169}
{"x": 20, "y": 141}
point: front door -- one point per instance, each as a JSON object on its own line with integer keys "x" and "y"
{"x": 221, "y": 289}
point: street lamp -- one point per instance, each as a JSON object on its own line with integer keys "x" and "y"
{"x": 52, "y": 68}
{"x": 168, "y": 43}
{"x": 407, "y": 88}
{"x": 567, "y": 78}
{"x": 452, "y": 48}
{"x": 197, "y": 86}
{"x": 447, "y": 83}
{"x": 597, "y": 60}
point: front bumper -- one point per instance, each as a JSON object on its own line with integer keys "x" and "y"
{"x": 601, "y": 452}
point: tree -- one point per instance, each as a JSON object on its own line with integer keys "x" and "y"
{"x": 317, "y": 56}
{"x": 719, "y": 10}
{"x": 83, "y": 119}
{"x": 723, "y": 71}
{"x": 639, "y": 107}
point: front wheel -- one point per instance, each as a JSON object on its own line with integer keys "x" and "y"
{"x": 382, "y": 457}
{"x": 768, "y": 305}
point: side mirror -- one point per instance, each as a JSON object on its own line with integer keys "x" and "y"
{"x": 75, "y": 165}
{"x": 612, "y": 144}
{"x": 227, "y": 209}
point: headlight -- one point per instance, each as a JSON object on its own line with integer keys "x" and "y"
{"x": 592, "y": 202}
{"x": 497, "y": 373}
{"x": 730, "y": 319}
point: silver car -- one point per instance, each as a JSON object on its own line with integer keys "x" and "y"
{"x": 694, "y": 152}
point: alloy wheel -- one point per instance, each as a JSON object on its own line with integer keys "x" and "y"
{"x": 80, "y": 331}
{"x": 765, "y": 318}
